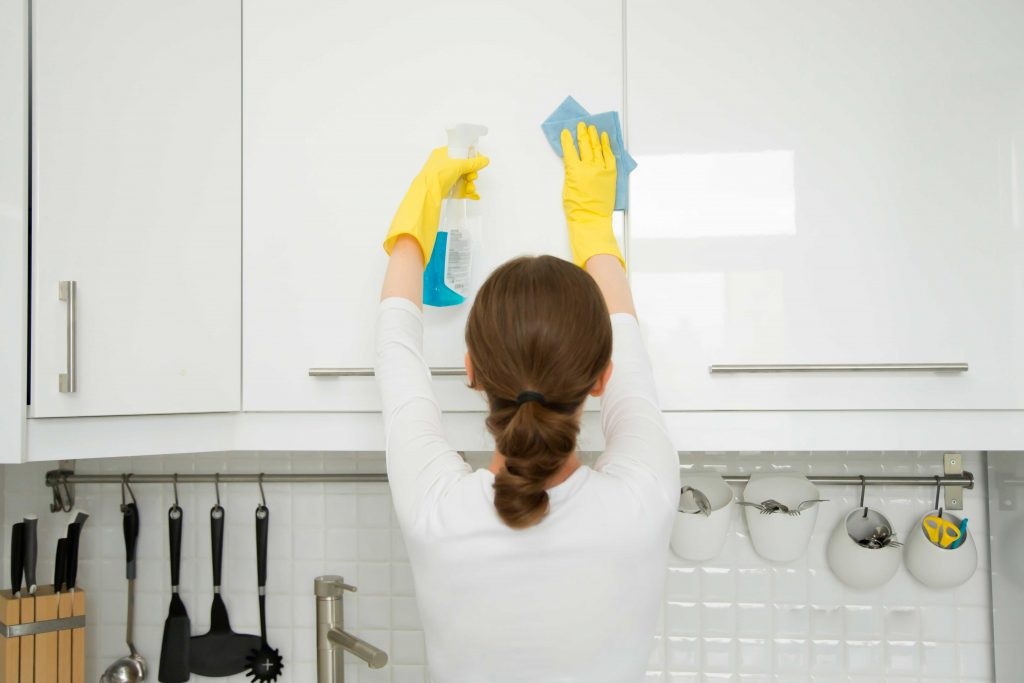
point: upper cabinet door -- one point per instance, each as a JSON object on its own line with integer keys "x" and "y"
{"x": 343, "y": 102}
{"x": 829, "y": 183}
{"x": 136, "y": 181}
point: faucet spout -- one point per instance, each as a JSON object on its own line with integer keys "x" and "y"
{"x": 373, "y": 656}
{"x": 332, "y": 640}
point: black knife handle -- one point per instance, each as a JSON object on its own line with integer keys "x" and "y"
{"x": 31, "y": 552}
{"x": 216, "y": 541}
{"x": 60, "y": 565}
{"x": 17, "y": 556}
{"x": 130, "y": 525}
{"x": 74, "y": 535}
{"x": 174, "y": 523}
{"x": 262, "y": 529}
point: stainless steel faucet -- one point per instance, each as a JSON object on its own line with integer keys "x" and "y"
{"x": 331, "y": 639}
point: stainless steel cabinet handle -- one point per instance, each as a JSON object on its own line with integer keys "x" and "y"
{"x": 841, "y": 367}
{"x": 368, "y": 372}
{"x": 68, "y": 380}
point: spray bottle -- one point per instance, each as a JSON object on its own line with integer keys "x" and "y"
{"x": 446, "y": 277}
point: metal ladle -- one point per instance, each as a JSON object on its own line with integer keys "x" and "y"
{"x": 132, "y": 667}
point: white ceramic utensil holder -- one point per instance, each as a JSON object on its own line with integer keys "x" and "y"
{"x": 780, "y": 537}
{"x": 699, "y": 537}
{"x": 937, "y": 567}
{"x": 855, "y": 565}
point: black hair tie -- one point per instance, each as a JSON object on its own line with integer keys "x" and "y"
{"x": 527, "y": 396}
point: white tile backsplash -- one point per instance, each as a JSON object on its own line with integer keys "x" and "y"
{"x": 736, "y": 618}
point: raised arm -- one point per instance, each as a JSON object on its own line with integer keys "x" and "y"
{"x": 638, "y": 448}
{"x": 589, "y": 200}
{"x": 419, "y": 458}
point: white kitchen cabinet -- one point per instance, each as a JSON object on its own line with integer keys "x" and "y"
{"x": 837, "y": 183}
{"x": 136, "y": 181}
{"x": 343, "y": 102}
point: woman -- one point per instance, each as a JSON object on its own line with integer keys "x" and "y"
{"x": 537, "y": 568}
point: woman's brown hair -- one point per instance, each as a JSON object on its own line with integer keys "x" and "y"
{"x": 539, "y": 324}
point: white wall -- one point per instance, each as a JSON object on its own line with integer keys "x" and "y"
{"x": 13, "y": 221}
{"x": 736, "y": 618}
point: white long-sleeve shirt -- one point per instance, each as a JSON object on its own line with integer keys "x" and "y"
{"x": 574, "y": 598}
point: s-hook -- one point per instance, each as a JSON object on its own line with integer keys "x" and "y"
{"x": 261, "y": 509}
{"x": 176, "y": 508}
{"x": 217, "y": 511}
{"x": 62, "y": 502}
{"x": 863, "y": 490}
{"x": 938, "y": 494}
{"x": 125, "y": 484}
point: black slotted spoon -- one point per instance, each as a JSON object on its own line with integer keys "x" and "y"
{"x": 265, "y": 663}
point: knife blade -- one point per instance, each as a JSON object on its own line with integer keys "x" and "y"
{"x": 74, "y": 536}
{"x": 31, "y": 545}
{"x": 60, "y": 565}
{"x": 17, "y": 557}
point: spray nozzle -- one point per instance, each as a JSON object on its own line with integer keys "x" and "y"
{"x": 463, "y": 138}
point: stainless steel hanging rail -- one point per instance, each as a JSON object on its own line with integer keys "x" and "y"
{"x": 59, "y": 478}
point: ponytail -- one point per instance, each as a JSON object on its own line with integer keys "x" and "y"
{"x": 539, "y": 337}
{"x": 536, "y": 440}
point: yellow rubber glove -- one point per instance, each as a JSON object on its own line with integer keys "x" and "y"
{"x": 588, "y": 195}
{"x": 420, "y": 210}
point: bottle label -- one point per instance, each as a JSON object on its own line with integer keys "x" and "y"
{"x": 458, "y": 261}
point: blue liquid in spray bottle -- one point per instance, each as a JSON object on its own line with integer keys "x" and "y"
{"x": 446, "y": 277}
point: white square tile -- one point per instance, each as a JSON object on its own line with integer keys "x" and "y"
{"x": 408, "y": 647}
{"x": 683, "y": 655}
{"x": 754, "y": 620}
{"x": 827, "y": 656}
{"x": 792, "y": 655}
{"x": 718, "y": 655}
{"x": 753, "y": 655}
{"x": 682, "y": 619}
{"x": 902, "y": 657}
{"x": 865, "y": 656}
{"x": 374, "y": 612}
{"x": 718, "y": 619}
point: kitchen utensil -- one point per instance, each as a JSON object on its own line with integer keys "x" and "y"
{"x": 806, "y": 505}
{"x": 776, "y": 535}
{"x": 963, "y": 534}
{"x": 265, "y": 663}
{"x": 60, "y": 566}
{"x": 937, "y": 567}
{"x": 699, "y": 499}
{"x": 220, "y": 651}
{"x": 881, "y": 537}
{"x": 862, "y": 551}
{"x": 30, "y": 543}
{"x": 80, "y": 517}
{"x": 771, "y": 506}
{"x": 174, "y": 651}
{"x": 74, "y": 534}
{"x": 699, "y": 537}
{"x": 941, "y": 532}
{"x": 17, "y": 557}
{"x": 132, "y": 667}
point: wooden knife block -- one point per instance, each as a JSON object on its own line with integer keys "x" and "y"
{"x": 55, "y": 653}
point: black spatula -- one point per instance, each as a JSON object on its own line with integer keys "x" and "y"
{"x": 174, "y": 651}
{"x": 221, "y": 651}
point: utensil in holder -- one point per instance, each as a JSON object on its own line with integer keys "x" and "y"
{"x": 696, "y": 536}
{"x": 42, "y": 636}
{"x": 935, "y": 566}
{"x": 858, "y": 565}
{"x": 780, "y": 537}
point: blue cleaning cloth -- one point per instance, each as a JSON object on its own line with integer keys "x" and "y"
{"x": 567, "y": 115}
